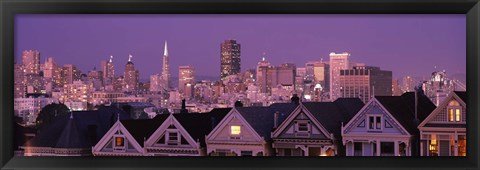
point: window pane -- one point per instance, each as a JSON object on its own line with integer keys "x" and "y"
{"x": 235, "y": 130}
{"x": 119, "y": 141}
{"x": 378, "y": 123}
{"x": 302, "y": 127}
{"x": 450, "y": 115}
{"x": 370, "y": 122}
{"x": 457, "y": 115}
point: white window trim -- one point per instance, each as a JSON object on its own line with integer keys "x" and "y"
{"x": 297, "y": 126}
{"x": 119, "y": 148}
{"x": 167, "y": 136}
{"x": 382, "y": 124}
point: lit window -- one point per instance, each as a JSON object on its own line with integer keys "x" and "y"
{"x": 119, "y": 142}
{"x": 235, "y": 130}
{"x": 454, "y": 111}
{"x": 457, "y": 115}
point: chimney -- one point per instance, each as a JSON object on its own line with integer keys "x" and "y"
{"x": 295, "y": 99}
{"x": 238, "y": 103}
{"x": 184, "y": 107}
{"x": 275, "y": 119}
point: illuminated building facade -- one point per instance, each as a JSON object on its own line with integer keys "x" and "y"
{"x": 337, "y": 62}
{"x": 364, "y": 82}
{"x": 31, "y": 61}
{"x": 186, "y": 75}
{"x": 130, "y": 76}
{"x": 229, "y": 58}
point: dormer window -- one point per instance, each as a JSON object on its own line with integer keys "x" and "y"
{"x": 302, "y": 127}
{"x": 454, "y": 111}
{"x": 173, "y": 138}
{"x": 374, "y": 122}
{"x": 119, "y": 143}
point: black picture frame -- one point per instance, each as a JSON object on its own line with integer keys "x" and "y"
{"x": 9, "y": 8}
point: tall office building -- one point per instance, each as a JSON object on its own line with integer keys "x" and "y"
{"x": 261, "y": 79}
{"x": 19, "y": 81}
{"x": 318, "y": 72}
{"x": 364, "y": 82}
{"x": 108, "y": 70}
{"x": 70, "y": 73}
{"x": 286, "y": 74}
{"x": 156, "y": 83}
{"x": 52, "y": 72}
{"x": 166, "y": 69}
{"x": 130, "y": 76}
{"x": 186, "y": 75}
{"x": 229, "y": 58}
{"x": 31, "y": 61}
{"x": 337, "y": 62}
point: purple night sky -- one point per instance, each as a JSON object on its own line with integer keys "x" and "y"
{"x": 404, "y": 44}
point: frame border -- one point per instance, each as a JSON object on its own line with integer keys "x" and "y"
{"x": 9, "y": 8}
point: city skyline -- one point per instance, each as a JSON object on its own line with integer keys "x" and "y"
{"x": 388, "y": 41}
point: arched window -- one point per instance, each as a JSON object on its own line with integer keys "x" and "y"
{"x": 454, "y": 111}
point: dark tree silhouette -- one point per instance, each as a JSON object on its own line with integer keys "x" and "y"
{"x": 46, "y": 115}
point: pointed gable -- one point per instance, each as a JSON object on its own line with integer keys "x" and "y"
{"x": 117, "y": 140}
{"x": 234, "y": 122}
{"x": 365, "y": 121}
{"x": 439, "y": 117}
{"x": 301, "y": 123}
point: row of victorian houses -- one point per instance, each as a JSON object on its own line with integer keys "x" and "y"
{"x": 407, "y": 125}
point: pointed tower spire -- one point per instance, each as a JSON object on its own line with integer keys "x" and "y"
{"x": 129, "y": 57}
{"x": 111, "y": 58}
{"x": 165, "y": 52}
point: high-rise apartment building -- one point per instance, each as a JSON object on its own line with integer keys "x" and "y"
{"x": 156, "y": 83}
{"x": 19, "y": 81}
{"x": 52, "y": 72}
{"x": 229, "y": 58}
{"x": 364, "y": 82}
{"x": 186, "y": 75}
{"x": 31, "y": 61}
{"x": 262, "y": 70}
{"x": 70, "y": 73}
{"x": 337, "y": 62}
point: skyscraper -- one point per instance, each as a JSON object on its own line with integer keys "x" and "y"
{"x": 156, "y": 83}
{"x": 31, "y": 61}
{"x": 19, "y": 81}
{"x": 186, "y": 75}
{"x": 130, "y": 76}
{"x": 70, "y": 73}
{"x": 229, "y": 58}
{"x": 108, "y": 70}
{"x": 262, "y": 70}
{"x": 337, "y": 62}
{"x": 364, "y": 82}
{"x": 52, "y": 72}
{"x": 166, "y": 69}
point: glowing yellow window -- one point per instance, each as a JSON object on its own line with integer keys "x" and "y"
{"x": 457, "y": 115}
{"x": 235, "y": 130}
